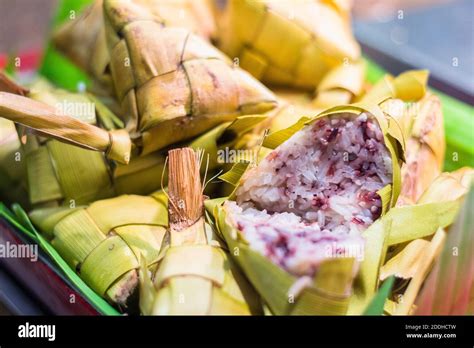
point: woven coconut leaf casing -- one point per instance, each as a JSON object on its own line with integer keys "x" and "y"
{"x": 317, "y": 38}
{"x": 172, "y": 84}
{"x": 59, "y": 172}
{"x": 426, "y": 147}
{"x": 407, "y": 99}
{"x": 196, "y": 275}
{"x": 104, "y": 241}
{"x": 198, "y": 279}
{"x": 82, "y": 39}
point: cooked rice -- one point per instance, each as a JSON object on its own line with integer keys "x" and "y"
{"x": 310, "y": 198}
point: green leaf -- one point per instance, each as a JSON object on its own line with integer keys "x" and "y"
{"x": 367, "y": 280}
{"x": 377, "y": 304}
{"x": 374, "y": 71}
{"x": 10, "y": 68}
{"x": 7, "y": 214}
{"x": 235, "y": 173}
{"x": 61, "y": 71}
{"x": 277, "y": 138}
{"x": 106, "y": 116}
{"x": 421, "y": 220}
{"x": 23, "y": 224}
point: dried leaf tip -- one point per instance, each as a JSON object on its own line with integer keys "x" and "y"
{"x": 184, "y": 188}
{"x": 8, "y": 85}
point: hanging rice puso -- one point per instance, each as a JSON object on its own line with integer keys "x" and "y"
{"x": 173, "y": 85}
{"x": 83, "y": 39}
{"x": 60, "y": 173}
{"x": 12, "y": 166}
{"x": 449, "y": 287}
{"x": 167, "y": 105}
{"x": 196, "y": 275}
{"x": 105, "y": 241}
{"x": 294, "y": 222}
{"x": 317, "y": 38}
